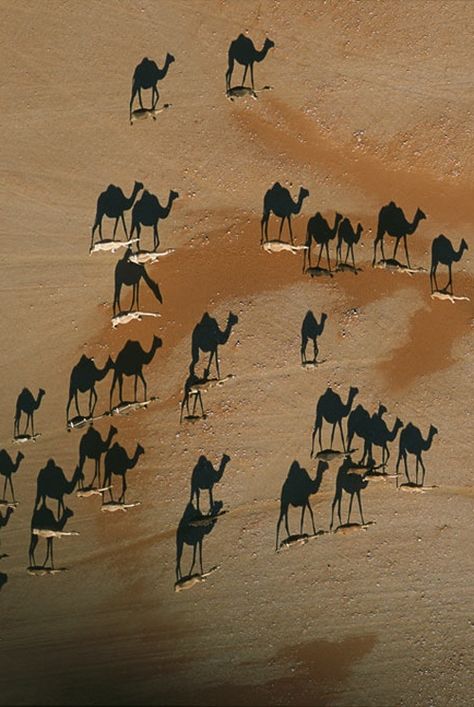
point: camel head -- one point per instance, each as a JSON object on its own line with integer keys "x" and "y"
{"x": 232, "y": 319}
{"x": 303, "y": 193}
{"x": 433, "y": 431}
{"x": 268, "y": 44}
{"x": 420, "y": 215}
{"x": 169, "y": 58}
{"x": 322, "y": 466}
{"x": 113, "y": 430}
{"x": 173, "y": 195}
{"x": 157, "y": 342}
{"x": 139, "y": 450}
{"x": 324, "y": 316}
{"x": 68, "y": 513}
{"x": 382, "y": 410}
{"x": 358, "y": 233}
{"x": 225, "y": 459}
{"x": 138, "y": 186}
{"x": 353, "y": 391}
{"x": 19, "y": 457}
{"x": 41, "y": 393}
{"x": 463, "y": 246}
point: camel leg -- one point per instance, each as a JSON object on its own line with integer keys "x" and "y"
{"x": 353, "y": 259}
{"x": 282, "y": 221}
{"x": 179, "y": 552}
{"x": 124, "y": 224}
{"x": 396, "y": 248}
{"x": 304, "y": 343}
{"x": 140, "y": 98}
{"x": 315, "y": 350}
{"x": 342, "y": 437}
{"x": 142, "y": 378}
{"x": 156, "y": 237}
{"x": 327, "y": 255}
{"x": 137, "y": 292}
{"x": 450, "y": 281}
{"x": 245, "y": 74}
{"x": 423, "y": 468}
{"x": 200, "y": 401}
{"x": 278, "y": 529}
{"x": 154, "y": 97}
{"x": 121, "y": 388}
{"x": 332, "y": 510}
{"x": 360, "y": 508}
{"x": 194, "y": 560}
{"x": 350, "y": 509}
{"x": 200, "y": 556}
{"x": 76, "y": 401}
{"x": 302, "y": 518}
{"x": 291, "y": 232}
{"x": 115, "y": 227}
{"x": 184, "y": 401}
{"x": 51, "y": 552}
{"x": 31, "y": 552}
{"x": 312, "y": 441}
{"x": 333, "y": 431}
{"x": 5, "y": 488}
{"x": 228, "y": 75}
{"x": 406, "y": 467}
{"x": 112, "y": 387}
{"x": 321, "y": 437}
{"x": 13, "y": 492}
{"x": 124, "y": 488}
{"x": 320, "y": 253}
{"x": 406, "y": 250}
{"x": 211, "y": 500}
{"x": 312, "y": 516}
{"x": 32, "y": 424}
{"x": 251, "y": 77}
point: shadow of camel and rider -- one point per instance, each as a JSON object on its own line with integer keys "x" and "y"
{"x": 145, "y": 77}
{"x": 242, "y": 51}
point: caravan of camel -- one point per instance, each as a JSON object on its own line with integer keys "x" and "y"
{"x": 108, "y": 458}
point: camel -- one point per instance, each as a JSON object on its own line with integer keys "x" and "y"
{"x": 27, "y": 403}
{"x": 296, "y": 490}
{"x": 92, "y": 446}
{"x": 112, "y": 203}
{"x": 242, "y": 50}
{"x": 207, "y": 337}
{"x": 43, "y": 519}
{"x": 118, "y": 462}
{"x": 51, "y": 483}
{"x": 310, "y": 329}
{"x": 331, "y": 408}
{"x": 130, "y": 362}
{"x": 411, "y": 442}
{"x": 129, "y": 273}
{"x": 278, "y": 200}
{"x": 84, "y": 376}
{"x": 346, "y": 234}
{"x": 204, "y": 477}
{"x": 8, "y": 467}
{"x": 392, "y": 222}
{"x": 148, "y": 212}
{"x": 379, "y": 436}
{"x": 146, "y": 75}
{"x": 442, "y": 251}
{"x": 351, "y": 484}
{"x": 319, "y": 231}
{"x": 193, "y": 535}
{"x": 359, "y": 423}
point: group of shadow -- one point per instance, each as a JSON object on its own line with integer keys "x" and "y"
{"x": 206, "y": 338}
{"x": 391, "y": 222}
{"x": 53, "y": 485}
{"x": 352, "y": 477}
{"x": 194, "y": 525}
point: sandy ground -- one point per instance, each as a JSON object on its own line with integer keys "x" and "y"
{"x": 371, "y": 102}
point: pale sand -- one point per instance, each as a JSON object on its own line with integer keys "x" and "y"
{"x": 370, "y": 102}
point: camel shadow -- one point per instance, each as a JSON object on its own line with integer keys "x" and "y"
{"x": 130, "y": 274}
{"x": 296, "y": 490}
{"x": 243, "y": 51}
{"x": 311, "y": 330}
{"x": 277, "y": 200}
{"x": 148, "y": 211}
{"x": 83, "y": 379}
{"x": 204, "y": 477}
{"x": 26, "y": 405}
{"x": 52, "y": 483}
{"x": 113, "y": 203}
{"x": 4, "y": 520}
{"x": 8, "y": 468}
{"x": 351, "y": 482}
{"x": 393, "y": 222}
{"x": 332, "y": 410}
{"x": 411, "y": 442}
{"x": 146, "y": 77}
{"x": 192, "y": 529}
{"x": 129, "y": 364}
{"x": 93, "y": 447}
{"x": 206, "y": 338}
{"x": 3, "y": 579}
{"x": 44, "y": 524}
{"x": 321, "y": 233}
{"x": 118, "y": 463}
{"x": 374, "y": 432}
{"x": 443, "y": 252}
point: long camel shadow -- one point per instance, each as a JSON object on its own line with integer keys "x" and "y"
{"x": 117, "y": 462}
{"x": 145, "y": 77}
{"x": 93, "y": 447}
{"x": 320, "y": 232}
{"x": 349, "y": 236}
{"x": 242, "y": 51}
{"x": 296, "y": 491}
{"x": 393, "y": 222}
{"x": 129, "y": 364}
{"x": 204, "y": 477}
{"x": 207, "y": 337}
{"x": 84, "y": 377}
{"x": 44, "y": 524}
{"x": 130, "y": 274}
{"x": 192, "y": 395}
{"x": 443, "y": 252}
{"x": 113, "y": 203}
{"x": 311, "y": 330}
{"x": 411, "y": 442}
{"x": 53, "y": 484}
{"x": 331, "y": 409}
{"x": 351, "y": 482}
{"x": 277, "y": 200}
{"x": 149, "y": 212}
{"x": 8, "y": 468}
{"x": 26, "y": 404}
{"x": 193, "y": 527}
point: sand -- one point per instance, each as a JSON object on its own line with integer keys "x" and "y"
{"x": 370, "y": 102}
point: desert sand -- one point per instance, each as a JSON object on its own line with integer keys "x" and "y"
{"x": 370, "y": 102}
